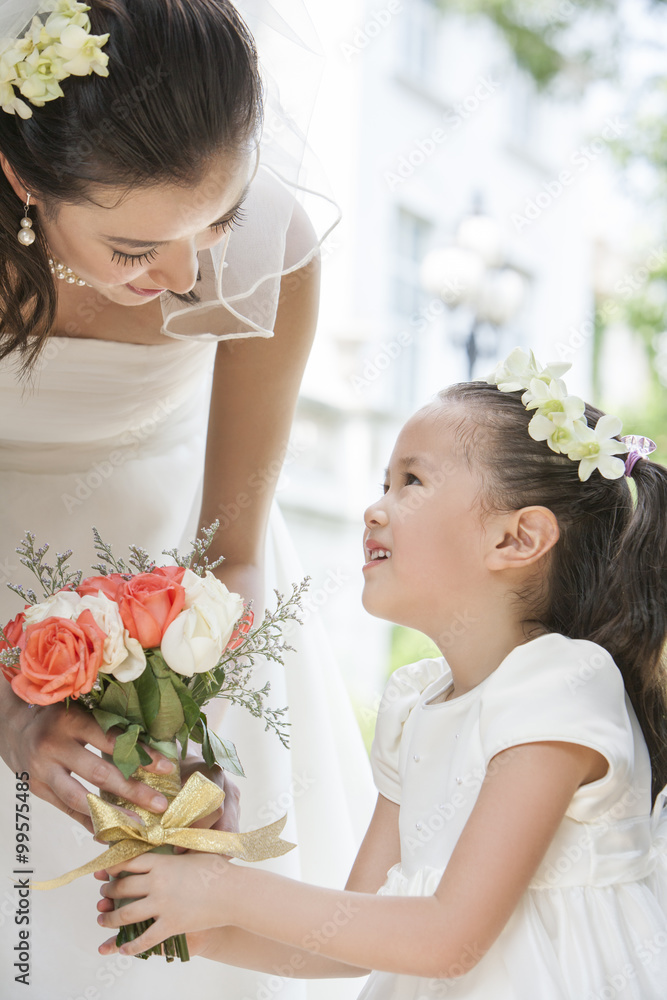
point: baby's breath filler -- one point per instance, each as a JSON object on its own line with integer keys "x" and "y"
{"x": 559, "y": 417}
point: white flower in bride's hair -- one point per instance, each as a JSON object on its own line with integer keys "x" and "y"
{"x": 81, "y": 52}
{"x": 594, "y": 448}
{"x": 64, "y": 13}
{"x": 11, "y": 104}
{"x": 520, "y": 369}
{"x": 10, "y": 56}
{"x": 49, "y": 52}
{"x": 123, "y": 656}
{"x": 38, "y": 75}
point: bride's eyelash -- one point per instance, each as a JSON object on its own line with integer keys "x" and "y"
{"x": 130, "y": 258}
{"x": 232, "y": 222}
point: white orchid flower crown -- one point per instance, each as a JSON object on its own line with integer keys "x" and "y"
{"x": 559, "y": 418}
{"x": 48, "y": 53}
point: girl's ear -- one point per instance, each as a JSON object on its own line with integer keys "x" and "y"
{"x": 521, "y": 538}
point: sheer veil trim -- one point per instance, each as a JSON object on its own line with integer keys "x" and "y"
{"x": 289, "y": 210}
{"x": 252, "y": 310}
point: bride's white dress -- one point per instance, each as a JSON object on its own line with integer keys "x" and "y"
{"x": 112, "y": 435}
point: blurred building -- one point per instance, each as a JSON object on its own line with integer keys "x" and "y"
{"x": 422, "y": 119}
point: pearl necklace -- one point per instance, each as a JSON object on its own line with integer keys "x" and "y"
{"x": 64, "y": 273}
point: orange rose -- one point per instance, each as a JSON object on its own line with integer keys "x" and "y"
{"x": 111, "y": 586}
{"x": 148, "y": 605}
{"x": 174, "y": 573}
{"x": 60, "y": 659}
{"x": 243, "y": 626}
{"x": 14, "y": 633}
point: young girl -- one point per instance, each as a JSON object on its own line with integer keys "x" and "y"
{"x": 517, "y": 776}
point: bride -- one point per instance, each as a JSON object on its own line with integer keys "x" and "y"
{"x": 158, "y": 298}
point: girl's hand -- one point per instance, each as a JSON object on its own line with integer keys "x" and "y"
{"x": 50, "y": 743}
{"x": 191, "y": 892}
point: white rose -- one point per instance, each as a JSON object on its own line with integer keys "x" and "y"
{"x": 65, "y": 604}
{"x": 196, "y": 639}
{"x": 192, "y": 643}
{"x": 123, "y": 656}
{"x": 209, "y": 588}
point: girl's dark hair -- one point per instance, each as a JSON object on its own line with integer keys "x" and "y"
{"x": 183, "y": 86}
{"x": 607, "y": 575}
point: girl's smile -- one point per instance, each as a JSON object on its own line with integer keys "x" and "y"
{"x": 375, "y": 553}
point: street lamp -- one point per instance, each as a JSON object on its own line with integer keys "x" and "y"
{"x": 473, "y": 273}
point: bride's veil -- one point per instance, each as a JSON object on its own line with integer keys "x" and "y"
{"x": 241, "y": 276}
{"x": 15, "y": 17}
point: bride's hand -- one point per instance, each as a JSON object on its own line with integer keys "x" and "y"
{"x": 228, "y": 816}
{"x": 50, "y": 743}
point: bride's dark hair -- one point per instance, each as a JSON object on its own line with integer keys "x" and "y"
{"x": 183, "y": 86}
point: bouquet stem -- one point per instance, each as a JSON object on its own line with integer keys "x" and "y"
{"x": 169, "y": 785}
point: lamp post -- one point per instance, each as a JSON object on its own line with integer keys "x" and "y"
{"x": 472, "y": 272}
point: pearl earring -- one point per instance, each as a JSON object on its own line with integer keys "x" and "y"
{"x": 26, "y": 235}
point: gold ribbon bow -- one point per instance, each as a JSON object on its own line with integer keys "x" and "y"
{"x": 198, "y": 798}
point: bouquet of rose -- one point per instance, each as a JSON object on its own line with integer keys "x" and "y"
{"x": 144, "y": 648}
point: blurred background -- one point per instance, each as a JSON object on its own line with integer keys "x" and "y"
{"x": 502, "y": 171}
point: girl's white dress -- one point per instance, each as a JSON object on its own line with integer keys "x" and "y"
{"x": 592, "y": 924}
{"x": 113, "y": 435}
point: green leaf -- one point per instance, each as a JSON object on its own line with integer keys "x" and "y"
{"x": 122, "y": 699}
{"x": 197, "y": 731}
{"x": 148, "y": 692}
{"x": 108, "y": 719}
{"x": 127, "y": 754}
{"x": 182, "y": 737}
{"x": 160, "y": 668}
{"x": 191, "y": 710}
{"x": 114, "y": 700}
{"x": 222, "y": 752}
{"x": 170, "y": 718}
{"x": 134, "y": 712}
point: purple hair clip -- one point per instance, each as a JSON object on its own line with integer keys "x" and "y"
{"x": 638, "y": 447}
